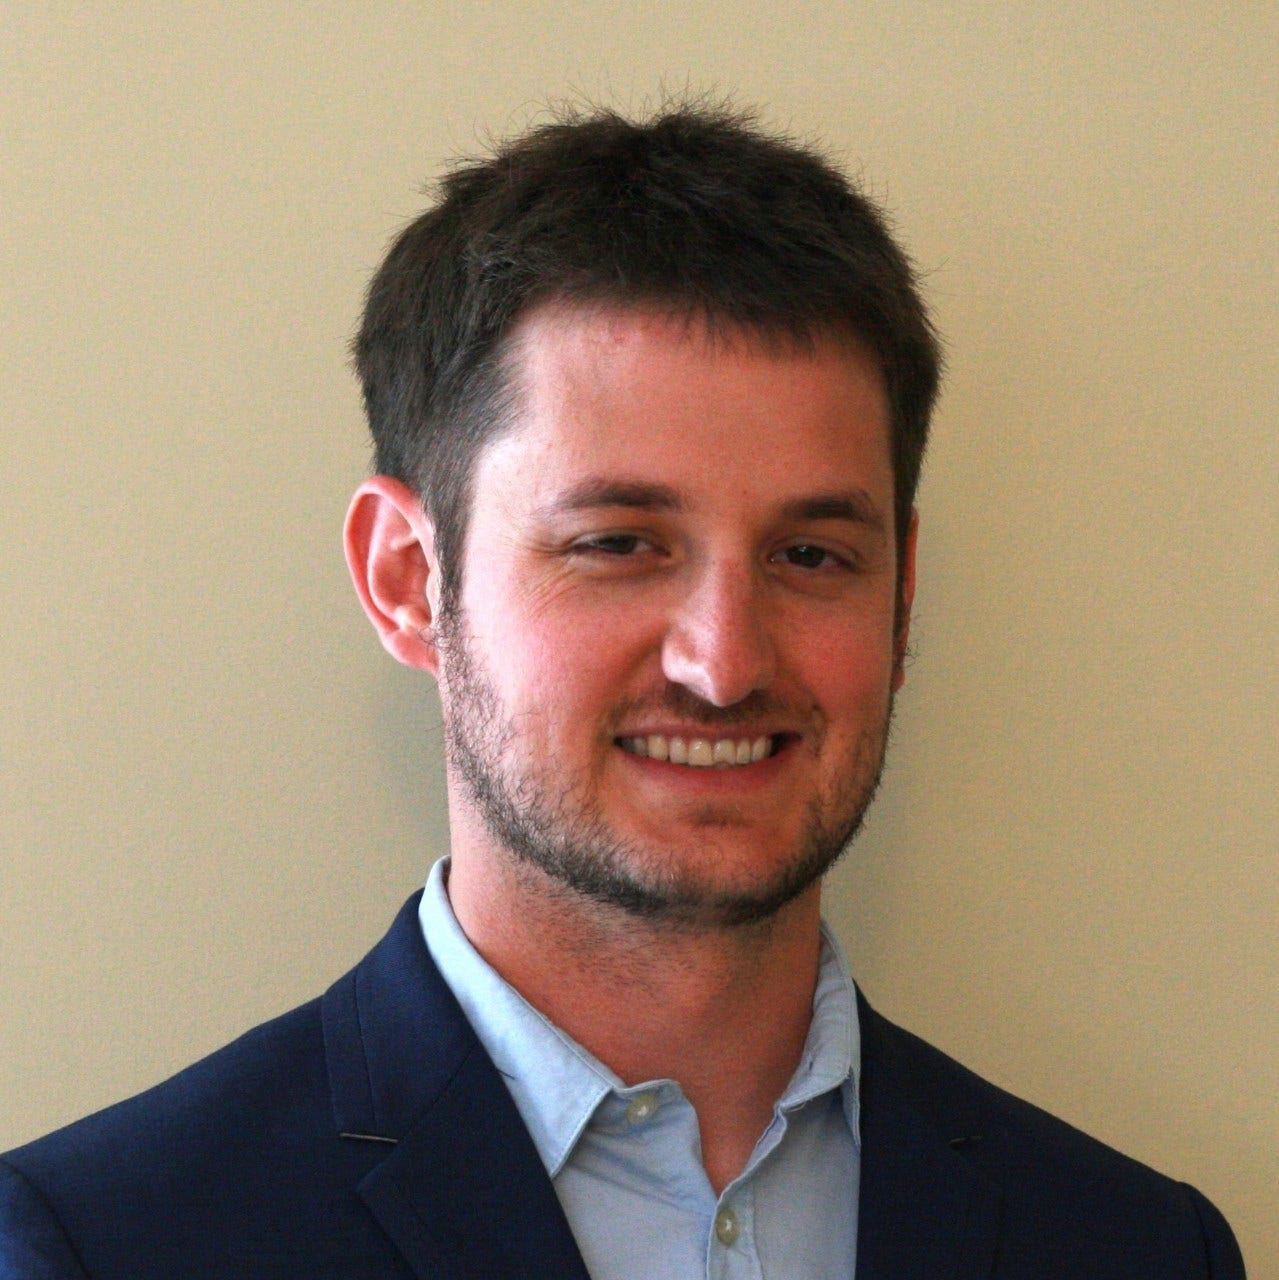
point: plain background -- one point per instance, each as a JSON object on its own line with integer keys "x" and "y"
{"x": 216, "y": 787}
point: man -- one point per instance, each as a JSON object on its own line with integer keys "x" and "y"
{"x": 649, "y": 404}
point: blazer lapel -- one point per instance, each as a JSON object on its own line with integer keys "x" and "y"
{"x": 925, "y": 1212}
{"x": 465, "y": 1196}
{"x": 462, "y": 1191}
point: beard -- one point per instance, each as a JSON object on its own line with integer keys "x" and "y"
{"x": 551, "y": 821}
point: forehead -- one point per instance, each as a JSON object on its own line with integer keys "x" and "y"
{"x": 636, "y": 393}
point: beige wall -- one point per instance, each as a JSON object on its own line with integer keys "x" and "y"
{"x": 216, "y": 788}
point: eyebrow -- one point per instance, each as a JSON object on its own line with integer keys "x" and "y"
{"x": 853, "y": 505}
{"x": 594, "y": 492}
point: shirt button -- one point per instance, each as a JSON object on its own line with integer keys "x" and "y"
{"x": 641, "y": 1107}
{"x": 727, "y": 1228}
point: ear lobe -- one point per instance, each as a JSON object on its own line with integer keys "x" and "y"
{"x": 390, "y": 551}
{"x": 905, "y": 600}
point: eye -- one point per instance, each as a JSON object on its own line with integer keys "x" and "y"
{"x": 807, "y": 555}
{"x": 611, "y": 544}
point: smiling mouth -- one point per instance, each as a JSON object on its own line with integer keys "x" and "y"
{"x": 702, "y": 753}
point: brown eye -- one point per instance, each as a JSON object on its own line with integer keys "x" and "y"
{"x": 616, "y": 544}
{"x": 806, "y": 556}
{"x": 610, "y": 546}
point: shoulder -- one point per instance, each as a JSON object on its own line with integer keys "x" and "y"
{"x": 974, "y": 1115}
{"x": 1058, "y": 1188}
{"x": 276, "y": 1069}
{"x": 238, "y": 1164}
{"x": 257, "y": 1095}
{"x": 219, "y": 1123}
{"x": 252, "y": 1160}
{"x": 236, "y": 1158}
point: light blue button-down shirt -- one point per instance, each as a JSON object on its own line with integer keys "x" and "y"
{"x": 626, "y": 1161}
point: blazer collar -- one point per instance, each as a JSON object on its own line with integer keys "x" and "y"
{"x": 926, "y": 1212}
{"x": 463, "y": 1194}
{"x": 461, "y": 1190}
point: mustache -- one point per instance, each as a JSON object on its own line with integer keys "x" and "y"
{"x": 681, "y": 703}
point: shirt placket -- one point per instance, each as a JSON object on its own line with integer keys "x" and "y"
{"x": 732, "y": 1252}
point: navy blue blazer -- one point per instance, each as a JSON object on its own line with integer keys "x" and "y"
{"x": 367, "y": 1134}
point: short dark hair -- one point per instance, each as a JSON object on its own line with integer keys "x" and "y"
{"x": 697, "y": 210}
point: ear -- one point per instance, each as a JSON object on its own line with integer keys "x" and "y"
{"x": 905, "y": 600}
{"x": 390, "y": 551}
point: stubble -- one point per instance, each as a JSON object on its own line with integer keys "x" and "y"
{"x": 551, "y": 823}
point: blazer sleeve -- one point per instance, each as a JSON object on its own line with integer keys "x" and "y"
{"x": 1225, "y": 1262}
{"x": 33, "y": 1245}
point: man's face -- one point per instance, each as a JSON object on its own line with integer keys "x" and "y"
{"x": 668, "y": 678}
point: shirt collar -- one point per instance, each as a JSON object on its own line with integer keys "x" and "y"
{"x": 557, "y": 1085}
{"x": 832, "y": 1050}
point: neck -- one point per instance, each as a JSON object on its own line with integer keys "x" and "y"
{"x": 656, "y": 1000}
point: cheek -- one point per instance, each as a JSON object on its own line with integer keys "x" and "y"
{"x": 560, "y": 649}
{"x": 847, "y": 669}
{"x": 561, "y": 680}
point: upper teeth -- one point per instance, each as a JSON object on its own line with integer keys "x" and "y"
{"x": 699, "y": 751}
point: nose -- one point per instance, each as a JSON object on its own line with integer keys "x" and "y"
{"x": 718, "y": 642}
